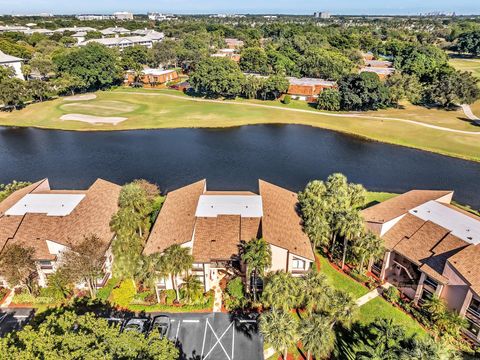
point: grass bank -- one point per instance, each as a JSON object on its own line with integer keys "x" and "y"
{"x": 155, "y": 109}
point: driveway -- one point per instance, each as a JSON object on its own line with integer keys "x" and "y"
{"x": 215, "y": 336}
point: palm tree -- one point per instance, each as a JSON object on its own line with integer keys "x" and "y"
{"x": 257, "y": 255}
{"x": 352, "y": 226}
{"x": 341, "y": 308}
{"x": 427, "y": 348}
{"x": 317, "y": 336}
{"x": 176, "y": 261}
{"x": 279, "y": 329}
{"x": 192, "y": 287}
{"x": 368, "y": 246}
{"x": 315, "y": 291}
{"x": 385, "y": 341}
{"x": 282, "y": 291}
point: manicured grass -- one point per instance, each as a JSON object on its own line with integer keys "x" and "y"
{"x": 378, "y": 197}
{"x": 380, "y": 308}
{"x": 171, "y": 109}
{"x": 341, "y": 281}
{"x": 471, "y": 65}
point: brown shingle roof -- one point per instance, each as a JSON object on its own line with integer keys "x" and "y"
{"x": 399, "y": 205}
{"x": 176, "y": 220}
{"x": 216, "y": 238}
{"x": 91, "y": 217}
{"x": 404, "y": 228}
{"x": 281, "y": 224}
{"x": 468, "y": 265}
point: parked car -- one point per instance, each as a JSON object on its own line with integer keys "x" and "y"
{"x": 160, "y": 325}
{"x": 115, "y": 321}
{"x": 139, "y": 325}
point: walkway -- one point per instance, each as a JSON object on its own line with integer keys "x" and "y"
{"x": 218, "y": 298}
{"x": 358, "y": 116}
{"x": 467, "y": 110}
{"x": 372, "y": 294}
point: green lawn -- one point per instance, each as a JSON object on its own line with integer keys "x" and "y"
{"x": 146, "y": 109}
{"x": 380, "y": 308}
{"x": 378, "y": 197}
{"x": 341, "y": 281}
{"x": 376, "y": 308}
{"x": 471, "y": 65}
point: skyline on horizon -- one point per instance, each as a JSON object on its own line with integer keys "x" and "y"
{"x": 341, "y": 7}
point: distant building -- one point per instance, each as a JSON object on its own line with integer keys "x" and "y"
{"x": 152, "y": 34}
{"x": 123, "y": 15}
{"x": 227, "y": 53}
{"x": 322, "y": 15}
{"x": 308, "y": 89}
{"x": 9, "y": 28}
{"x": 151, "y": 78}
{"x": 161, "y": 17}
{"x": 122, "y": 42}
{"x": 382, "y": 68}
{"x": 46, "y": 32}
{"x": 234, "y": 43}
{"x": 13, "y": 62}
{"x": 113, "y": 31}
{"x": 76, "y": 29}
{"x": 94, "y": 17}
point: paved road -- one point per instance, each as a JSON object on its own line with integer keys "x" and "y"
{"x": 199, "y": 336}
{"x": 13, "y": 319}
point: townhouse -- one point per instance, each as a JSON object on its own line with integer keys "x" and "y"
{"x": 150, "y": 78}
{"x": 213, "y": 224}
{"x": 51, "y": 221}
{"x": 13, "y": 62}
{"x": 432, "y": 247}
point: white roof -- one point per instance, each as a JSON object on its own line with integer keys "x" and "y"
{"x": 4, "y": 58}
{"x": 243, "y": 205}
{"x": 120, "y": 40}
{"x": 157, "y": 72}
{"x": 460, "y": 225}
{"x": 378, "y": 70}
{"x": 50, "y": 204}
{"x": 310, "y": 81}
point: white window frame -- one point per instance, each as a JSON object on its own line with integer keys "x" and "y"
{"x": 296, "y": 262}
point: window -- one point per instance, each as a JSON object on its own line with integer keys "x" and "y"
{"x": 430, "y": 282}
{"x": 298, "y": 264}
{"x": 45, "y": 264}
{"x": 426, "y": 295}
{"x": 473, "y": 327}
{"x": 474, "y": 307}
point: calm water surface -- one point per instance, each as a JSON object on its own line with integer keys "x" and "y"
{"x": 287, "y": 155}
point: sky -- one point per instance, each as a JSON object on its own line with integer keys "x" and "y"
{"x": 373, "y": 7}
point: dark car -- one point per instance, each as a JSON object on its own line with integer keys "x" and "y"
{"x": 115, "y": 322}
{"x": 139, "y": 325}
{"x": 160, "y": 325}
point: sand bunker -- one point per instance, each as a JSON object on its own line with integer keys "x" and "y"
{"x": 93, "y": 119}
{"x": 80, "y": 97}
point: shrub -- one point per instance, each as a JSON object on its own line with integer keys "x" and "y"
{"x": 124, "y": 294}
{"x": 169, "y": 296}
{"x": 235, "y": 287}
{"x": 329, "y": 99}
{"x": 287, "y": 99}
{"x": 392, "y": 294}
{"x": 104, "y": 292}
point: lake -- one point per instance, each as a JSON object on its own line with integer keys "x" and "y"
{"x": 230, "y": 159}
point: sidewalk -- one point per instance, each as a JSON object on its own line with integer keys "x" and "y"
{"x": 372, "y": 294}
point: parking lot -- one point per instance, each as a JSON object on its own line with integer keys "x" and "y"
{"x": 215, "y": 336}
{"x": 199, "y": 336}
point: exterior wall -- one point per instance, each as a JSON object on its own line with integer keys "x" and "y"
{"x": 456, "y": 291}
{"x": 150, "y": 81}
{"x": 279, "y": 258}
{"x": 298, "y": 272}
{"x": 389, "y": 224}
{"x": 17, "y": 66}
{"x": 447, "y": 199}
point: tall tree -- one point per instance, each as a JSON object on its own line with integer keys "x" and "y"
{"x": 278, "y": 329}
{"x": 469, "y": 42}
{"x": 177, "y": 261}
{"x": 315, "y": 291}
{"x": 317, "y": 336}
{"x": 366, "y": 247}
{"x": 164, "y": 53}
{"x": 363, "y": 92}
{"x": 281, "y": 291}
{"x": 17, "y": 266}
{"x": 257, "y": 256}
{"x": 82, "y": 262}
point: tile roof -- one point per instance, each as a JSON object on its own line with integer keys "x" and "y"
{"x": 176, "y": 220}
{"x": 399, "y": 205}
{"x": 90, "y": 217}
{"x": 281, "y": 223}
